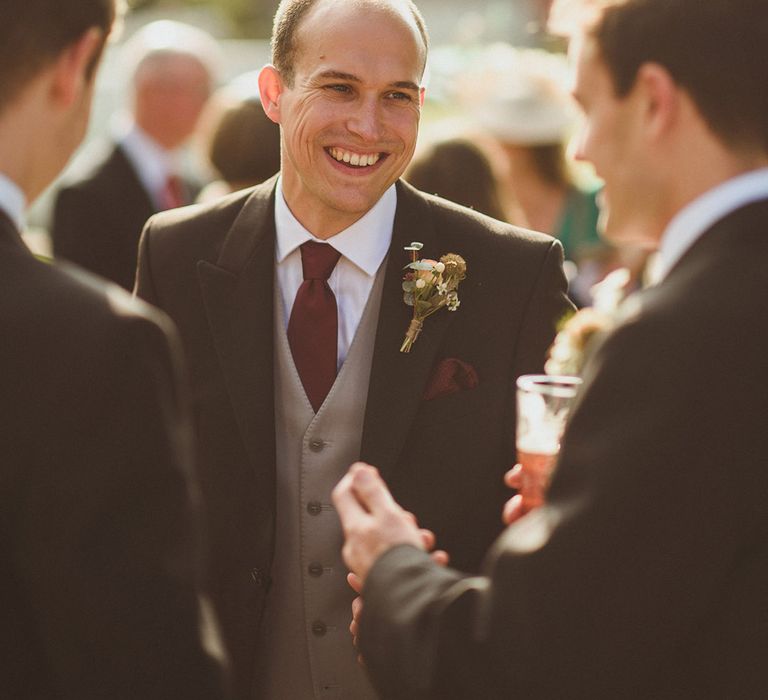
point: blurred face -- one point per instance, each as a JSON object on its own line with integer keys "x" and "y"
{"x": 350, "y": 119}
{"x": 611, "y": 139}
{"x": 170, "y": 95}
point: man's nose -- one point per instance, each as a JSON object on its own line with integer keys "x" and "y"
{"x": 366, "y": 120}
{"x": 576, "y": 148}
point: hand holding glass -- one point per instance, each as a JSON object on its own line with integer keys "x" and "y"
{"x": 543, "y": 405}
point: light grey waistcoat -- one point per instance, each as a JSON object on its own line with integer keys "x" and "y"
{"x": 306, "y": 628}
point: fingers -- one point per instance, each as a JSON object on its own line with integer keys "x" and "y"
{"x": 355, "y": 583}
{"x": 370, "y": 490}
{"x": 357, "y": 608}
{"x": 345, "y": 500}
{"x": 513, "y": 509}
{"x": 514, "y": 477}
{"x": 428, "y": 538}
{"x": 441, "y": 557}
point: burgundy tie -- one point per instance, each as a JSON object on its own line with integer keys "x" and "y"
{"x": 173, "y": 192}
{"x": 313, "y": 326}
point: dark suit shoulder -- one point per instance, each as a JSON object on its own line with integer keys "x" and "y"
{"x": 70, "y": 316}
{"x": 199, "y": 227}
{"x": 455, "y": 220}
{"x": 99, "y": 168}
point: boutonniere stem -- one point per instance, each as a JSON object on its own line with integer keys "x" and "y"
{"x": 428, "y": 286}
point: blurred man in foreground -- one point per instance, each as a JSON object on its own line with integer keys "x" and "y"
{"x": 99, "y": 564}
{"x": 99, "y": 213}
{"x": 645, "y": 574}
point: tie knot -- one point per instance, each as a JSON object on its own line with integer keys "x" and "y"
{"x": 318, "y": 260}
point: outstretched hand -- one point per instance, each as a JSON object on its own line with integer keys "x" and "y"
{"x": 373, "y": 522}
{"x": 350, "y": 518}
{"x": 513, "y": 508}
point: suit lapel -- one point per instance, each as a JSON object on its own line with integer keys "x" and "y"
{"x": 398, "y": 379}
{"x": 237, "y": 292}
{"x": 10, "y": 236}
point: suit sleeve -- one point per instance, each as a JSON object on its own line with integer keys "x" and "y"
{"x": 110, "y": 566}
{"x": 547, "y": 306}
{"x": 145, "y": 287}
{"x": 616, "y": 581}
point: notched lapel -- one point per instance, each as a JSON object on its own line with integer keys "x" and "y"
{"x": 237, "y": 292}
{"x": 398, "y": 379}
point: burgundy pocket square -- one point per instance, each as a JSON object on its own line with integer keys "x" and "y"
{"x": 450, "y": 376}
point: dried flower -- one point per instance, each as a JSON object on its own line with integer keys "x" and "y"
{"x": 428, "y": 286}
{"x": 569, "y": 349}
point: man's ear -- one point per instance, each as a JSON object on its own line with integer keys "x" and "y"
{"x": 422, "y": 94}
{"x": 71, "y": 69}
{"x": 270, "y": 90}
{"x": 661, "y": 97}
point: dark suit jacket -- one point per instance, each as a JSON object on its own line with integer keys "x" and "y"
{"x": 97, "y": 573}
{"x": 646, "y": 575}
{"x": 211, "y": 268}
{"x": 97, "y": 219}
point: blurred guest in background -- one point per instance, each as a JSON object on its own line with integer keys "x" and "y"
{"x": 98, "y": 216}
{"x": 240, "y": 142}
{"x": 458, "y": 170}
{"x": 531, "y": 115}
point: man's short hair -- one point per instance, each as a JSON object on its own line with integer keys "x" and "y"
{"x": 34, "y": 32}
{"x": 716, "y": 50}
{"x": 288, "y": 18}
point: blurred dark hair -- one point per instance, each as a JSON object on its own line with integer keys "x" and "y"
{"x": 288, "y": 18}
{"x": 245, "y": 146}
{"x": 34, "y": 32}
{"x": 456, "y": 169}
{"x": 717, "y": 50}
{"x": 550, "y": 162}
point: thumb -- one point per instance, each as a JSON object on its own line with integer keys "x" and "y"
{"x": 370, "y": 489}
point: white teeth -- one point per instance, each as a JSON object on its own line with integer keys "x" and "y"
{"x": 354, "y": 158}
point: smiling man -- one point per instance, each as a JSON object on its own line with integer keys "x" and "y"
{"x": 290, "y": 303}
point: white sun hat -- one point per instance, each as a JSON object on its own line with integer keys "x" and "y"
{"x": 524, "y": 98}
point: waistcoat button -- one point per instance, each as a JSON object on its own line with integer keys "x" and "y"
{"x": 318, "y": 628}
{"x": 316, "y": 445}
{"x": 315, "y": 569}
{"x": 314, "y": 508}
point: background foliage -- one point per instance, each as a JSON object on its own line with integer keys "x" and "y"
{"x": 248, "y": 18}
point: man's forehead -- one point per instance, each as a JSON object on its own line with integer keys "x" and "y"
{"x": 326, "y": 17}
{"x": 333, "y": 38}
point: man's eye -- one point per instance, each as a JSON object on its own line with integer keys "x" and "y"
{"x": 342, "y": 89}
{"x": 402, "y": 96}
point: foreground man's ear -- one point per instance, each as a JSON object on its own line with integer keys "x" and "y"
{"x": 70, "y": 71}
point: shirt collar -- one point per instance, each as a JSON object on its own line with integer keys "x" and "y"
{"x": 12, "y": 201}
{"x": 151, "y": 161}
{"x": 696, "y": 218}
{"x": 365, "y": 243}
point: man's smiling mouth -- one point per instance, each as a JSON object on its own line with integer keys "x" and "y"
{"x": 352, "y": 159}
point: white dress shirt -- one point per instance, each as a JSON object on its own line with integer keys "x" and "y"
{"x": 12, "y": 201}
{"x": 363, "y": 247}
{"x": 152, "y": 163}
{"x": 694, "y": 219}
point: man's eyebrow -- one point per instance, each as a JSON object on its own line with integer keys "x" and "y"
{"x": 349, "y": 77}
{"x": 339, "y": 75}
{"x": 406, "y": 85}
